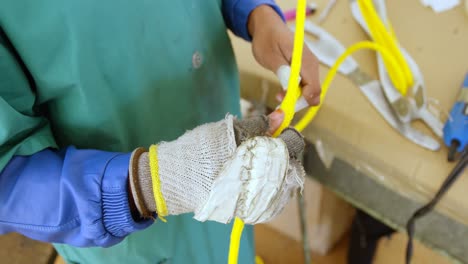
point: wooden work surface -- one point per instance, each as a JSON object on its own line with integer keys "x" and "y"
{"x": 348, "y": 128}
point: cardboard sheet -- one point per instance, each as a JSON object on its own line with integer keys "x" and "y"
{"x": 349, "y": 128}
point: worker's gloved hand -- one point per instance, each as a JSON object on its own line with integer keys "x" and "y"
{"x": 222, "y": 170}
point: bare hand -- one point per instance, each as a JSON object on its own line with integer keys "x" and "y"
{"x": 272, "y": 45}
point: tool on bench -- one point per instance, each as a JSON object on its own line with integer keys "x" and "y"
{"x": 407, "y": 98}
{"x": 328, "y": 49}
{"x": 456, "y": 127}
{"x": 456, "y": 138}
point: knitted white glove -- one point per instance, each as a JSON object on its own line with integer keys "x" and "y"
{"x": 204, "y": 172}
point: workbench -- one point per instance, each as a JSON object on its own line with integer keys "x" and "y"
{"x": 355, "y": 152}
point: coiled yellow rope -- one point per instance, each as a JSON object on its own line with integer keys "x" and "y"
{"x": 386, "y": 38}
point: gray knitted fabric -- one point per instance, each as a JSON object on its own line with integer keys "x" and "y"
{"x": 146, "y": 185}
{"x": 251, "y": 127}
{"x": 294, "y": 141}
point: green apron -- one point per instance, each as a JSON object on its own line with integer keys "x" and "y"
{"x": 114, "y": 75}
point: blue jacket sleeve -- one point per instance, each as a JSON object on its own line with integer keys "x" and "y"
{"x": 77, "y": 197}
{"x": 236, "y": 14}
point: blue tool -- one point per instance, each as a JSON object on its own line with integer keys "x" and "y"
{"x": 456, "y": 127}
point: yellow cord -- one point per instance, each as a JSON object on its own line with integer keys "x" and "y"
{"x": 312, "y": 112}
{"x": 386, "y": 38}
{"x": 292, "y": 94}
{"x": 236, "y": 234}
{"x": 293, "y": 91}
{"x": 386, "y": 44}
{"x": 161, "y": 208}
{"x": 259, "y": 260}
{"x": 309, "y": 116}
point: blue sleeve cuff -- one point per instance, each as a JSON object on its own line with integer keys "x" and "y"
{"x": 117, "y": 215}
{"x": 80, "y": 197}
{"x": 236, "y": 14}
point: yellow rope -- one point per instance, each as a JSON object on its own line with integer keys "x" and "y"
{"x": 293, "y": 91}
{"x": 394, "y": 61}
{"x": 236, "y": 234}
{"x": 259, "y": 260}
{"x": 386, "y": 38}
{"x": 312, "y": 112}
{"x": 399, "y": 78}
{"x": 292, "y": 94}
{"x": 161, "y": 207}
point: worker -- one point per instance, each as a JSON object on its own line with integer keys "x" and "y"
{"x": 86, "y": 87}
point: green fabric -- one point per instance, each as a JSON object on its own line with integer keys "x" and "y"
{"x": 114, "y": 75}
{"x": 180, "y": 240}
